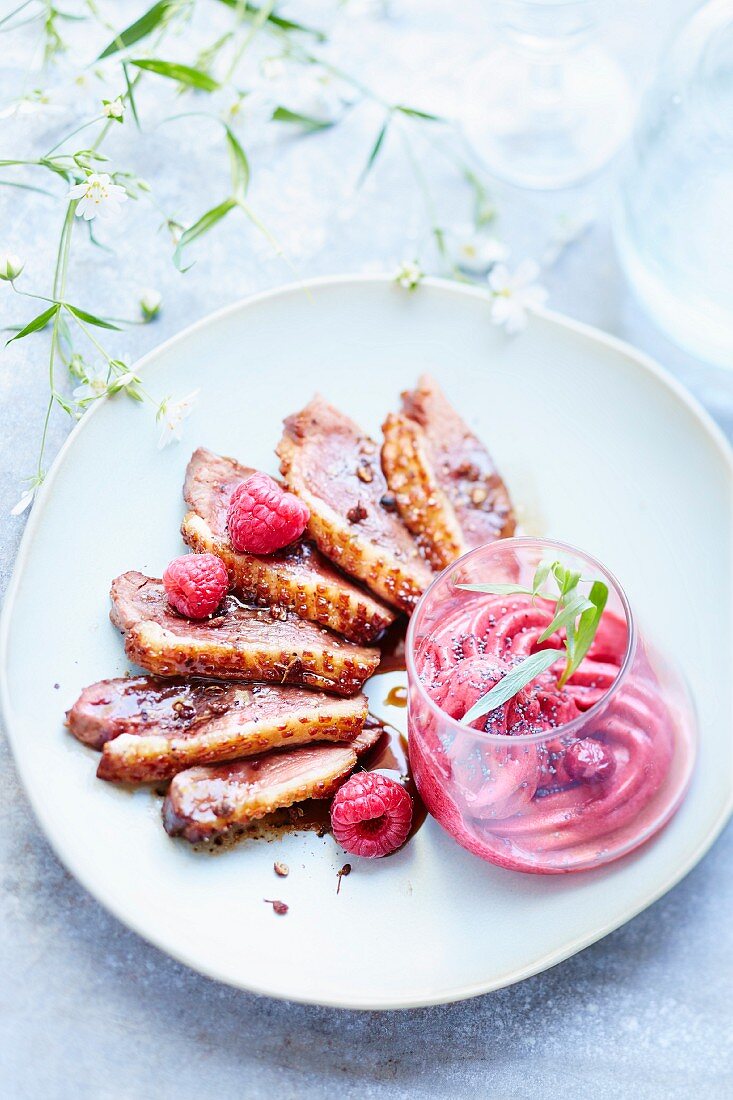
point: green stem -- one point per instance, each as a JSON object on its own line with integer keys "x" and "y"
{"x": 257, "y": 24}
{"x": 422, "y": 184}
{"x": 59, "y": 288}
{"x": 72, "y": 134}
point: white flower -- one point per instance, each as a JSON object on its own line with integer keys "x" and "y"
{"x": 515, "y": 293}
{"x": 10, "y": 266}
{"x": 25, "y": 502}
{"x": 272, "y": 68}
{"x": 150, "y": 304}
{"x": 409, "y": 274}
{"x": 254, "y": 110}
{"x": 94, "y": 386}
{"x": 113, "y": 108}
{"x": 171, "y": 415}
{"x": 28, "y": 105}
{"x": 97, "y": 195}
{"x": 474, "y": 252}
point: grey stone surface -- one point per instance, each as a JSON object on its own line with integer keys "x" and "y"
{"x": 87, "y": 1009}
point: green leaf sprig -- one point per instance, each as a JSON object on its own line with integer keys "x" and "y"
{"x": 577, "y": 614}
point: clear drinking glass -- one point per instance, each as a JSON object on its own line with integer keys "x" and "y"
{"x": 546, "y": 105}
{"x": 515, "y": 800}
{"x": 673, "y": 223}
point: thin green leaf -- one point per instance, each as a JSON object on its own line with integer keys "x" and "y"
{"x": 130, "y": 94}
{"x": 140, "y": 29}
{"x": 586, "y": 630}
{"x": 565, "y": 615}
{"x": 26, "y": 187}
{"x": 90, "y": 318}
{"x": 203, "y": 225}
{"x": 517, "y": 678}
{"x": 414, "y": 113}
{"x": 17, "y": 11}
{"x": 182, "y": 74}
{"x": 541, "y": 574}
{"x": 567, "y": 579}
{"x": 238, "y": 162}
{"x": 37, "y": 323}
{"x": 497, "y": 589}
{"x": 308, "y": 122}
{"x": 276, "y": 20}
{"x": 375, "y": 151}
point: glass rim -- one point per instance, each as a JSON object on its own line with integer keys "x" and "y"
{"x": 567, "y": 728}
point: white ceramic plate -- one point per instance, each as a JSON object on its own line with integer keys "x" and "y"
{"x": 599, "y": 447}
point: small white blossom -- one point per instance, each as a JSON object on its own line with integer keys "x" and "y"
{"x": 113, "y": 108}
{"x": 98, "y": 196}
{"x": 474, "y": 252}
{"x": 272, "y": 68}
{"x": 25, "y": 502}
{"x": 253, "y": 109}
{"x": 95, "y": 385}
{"x": 515, "y": 293}
{"x": 10, "y": 266}
{"x": 171, "y": 415}
{"x": 150, "y": 304}
{"x": 28, "y": 105}
{"x": 409, "y": 274}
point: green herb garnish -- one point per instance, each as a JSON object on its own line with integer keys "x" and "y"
{"x": 512, "y": 683}
{"x": 577, "y": 614}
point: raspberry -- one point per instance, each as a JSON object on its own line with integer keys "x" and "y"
{"x": 196, "y": 584}
{"x": 262, "y": 517}
{"x": 371, "y": 815}
{"x": 589, "y": 761}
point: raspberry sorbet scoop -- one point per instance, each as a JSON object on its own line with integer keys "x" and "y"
{"x": 371, "y": 815}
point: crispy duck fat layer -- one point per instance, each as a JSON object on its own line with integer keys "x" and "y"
{"x": 334, "y": 468}
{"x": 297, "y": 578}
{"x": 205, "y": 802}
{"x": 237, "y": 643}
{"x": 444, "y": 481}
{"x": 149, "y": 728}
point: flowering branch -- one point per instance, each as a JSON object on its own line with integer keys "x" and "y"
{"x": 326, "y": 93}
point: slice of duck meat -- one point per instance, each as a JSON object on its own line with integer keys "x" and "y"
{"x": 297, "y": 578}
{"x": 444, "y": 481}
{"x": 334, "y": 468}
{"x": 205, "y": 802}
{"x": 149, "y": 728}
{"x": 236, "y": 643}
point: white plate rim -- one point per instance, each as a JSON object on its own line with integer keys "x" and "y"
{"x": 466, "y": 991}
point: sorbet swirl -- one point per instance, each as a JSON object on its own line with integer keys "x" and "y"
{"x": 556, "y": 779}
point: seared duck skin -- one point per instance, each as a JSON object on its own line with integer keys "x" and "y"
{"x": 334, "y": 468}
{"x": 237, "y": 643}
{"x": 444, "y": 481}
{"x": 297, "y": 578}
{"x": 205, "y": 802}
{"x": 148, "y": 728}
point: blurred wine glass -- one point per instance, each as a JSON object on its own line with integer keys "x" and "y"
{"x": 546, "y": 105}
